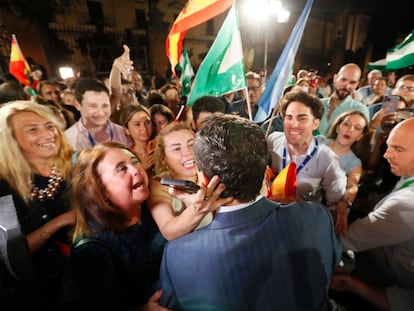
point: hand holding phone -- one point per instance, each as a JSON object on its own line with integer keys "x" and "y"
{"x": 182, "y": 185}
{"x": 388, "y": 100}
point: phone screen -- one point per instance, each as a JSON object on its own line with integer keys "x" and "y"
{"x": 390, "y": 99}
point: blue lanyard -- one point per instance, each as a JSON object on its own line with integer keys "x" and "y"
{"x": 307, "y": 159}
{"x": 111, "y": 134}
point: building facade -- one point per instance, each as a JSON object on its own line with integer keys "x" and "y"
{"x": 91, "y": 35}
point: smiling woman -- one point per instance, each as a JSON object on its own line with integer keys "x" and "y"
{"x": 35, "y": 167}
{"x": 117, "y": 250}
{"x": 174, "y": 158}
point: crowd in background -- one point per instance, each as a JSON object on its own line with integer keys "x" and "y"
{"x": 83, "y": 161}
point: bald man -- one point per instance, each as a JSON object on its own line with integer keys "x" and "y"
{"x": 345, "y": 83}
{"x": 386, "y": 235}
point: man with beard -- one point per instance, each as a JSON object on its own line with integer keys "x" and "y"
{"x": 345, "y": 83}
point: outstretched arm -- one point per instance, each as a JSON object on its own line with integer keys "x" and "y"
{"x": 120, "y": 67}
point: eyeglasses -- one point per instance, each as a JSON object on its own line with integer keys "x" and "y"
{"x": 253, "y": 88}
{"x": 406, "y": 88}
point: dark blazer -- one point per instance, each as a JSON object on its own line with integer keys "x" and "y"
{"x": 265, "y": 256}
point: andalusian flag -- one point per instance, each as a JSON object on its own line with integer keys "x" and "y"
{"x": 222, "y": 70}
{"x": 285, "y": 182}
{"x": 194, "y": 13}
{"x": 19, "y": 67}
{"x": 402, "y": 55}
{"x": 187, "y": 72}
{"x": 399, "y": 57}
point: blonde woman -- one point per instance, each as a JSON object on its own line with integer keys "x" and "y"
{"x": 174, "y": 158}
{"x": 35, "y": 168}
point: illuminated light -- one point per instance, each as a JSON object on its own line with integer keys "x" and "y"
{"x": 66, "y": 72}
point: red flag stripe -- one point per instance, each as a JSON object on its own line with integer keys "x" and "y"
{"x": 200, "y": 16}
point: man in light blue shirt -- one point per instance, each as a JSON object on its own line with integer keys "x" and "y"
{"x": 341, "y": 100}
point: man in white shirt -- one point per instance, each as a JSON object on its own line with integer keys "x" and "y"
{"x": 386, "y": 235}
{"x": 319, "y": 173}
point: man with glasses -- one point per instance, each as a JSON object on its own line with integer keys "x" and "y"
{"x": 405, "y": 89}
{"x": 254, "y": 89}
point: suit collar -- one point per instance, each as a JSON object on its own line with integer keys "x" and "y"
{"x": 257, "y": 210}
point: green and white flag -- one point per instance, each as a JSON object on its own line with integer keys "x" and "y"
{"x": 222, "y": 70}
{"x": 187, "y": 72}
{"x": 402, "y": 55}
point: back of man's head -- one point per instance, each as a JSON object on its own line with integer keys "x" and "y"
{"x": 235, "y": 149}
{"x": 88, "y": 84}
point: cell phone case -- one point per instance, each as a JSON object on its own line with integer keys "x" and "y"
{"x": 183, "y": 185}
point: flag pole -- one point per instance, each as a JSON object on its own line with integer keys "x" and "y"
{"x": 249, "y": 109}
{"x": 270, "y": 121}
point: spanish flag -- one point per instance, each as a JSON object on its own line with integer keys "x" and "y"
{"x": 194, "y": 13}
{"x": 19, "y": 67}
{"x": 285, "y": 182}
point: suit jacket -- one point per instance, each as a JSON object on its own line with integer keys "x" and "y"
{"x": 265, "y": 256}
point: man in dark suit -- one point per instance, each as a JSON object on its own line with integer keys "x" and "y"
{"x": 256, "y": 254}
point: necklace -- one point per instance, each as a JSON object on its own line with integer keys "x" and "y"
{"x": 51, "y": 188}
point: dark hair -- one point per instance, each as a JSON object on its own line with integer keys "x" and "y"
{"x": 43, "y": 83}
{"x": 12, "y": 90}
{"x": 233, "y": 148}
{"x": 163, "y": 110}
{"x": 155, "y": 99}
{"x": 297, "y": 95}
{"x": 88, "y": 84}
{"x": 208, "y": 104}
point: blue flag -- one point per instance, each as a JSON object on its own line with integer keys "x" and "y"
{"x": 281, "y": 73}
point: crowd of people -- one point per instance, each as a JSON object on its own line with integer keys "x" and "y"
{"x": 82, "y": 163}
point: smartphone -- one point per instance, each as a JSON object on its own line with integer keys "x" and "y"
{"x": 390, "y": 99}
{"x": 151, "y": 144}
{"x": 182, "y": 185}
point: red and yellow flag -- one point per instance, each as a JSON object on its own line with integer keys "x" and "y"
{"x": 285, "y": 182}
{"x": 19, "y": 67}
{"x": 194, "y": 13}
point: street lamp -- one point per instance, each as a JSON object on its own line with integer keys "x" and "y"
{"x": 260, "y": 11}
{"x": 66, "y": 72}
